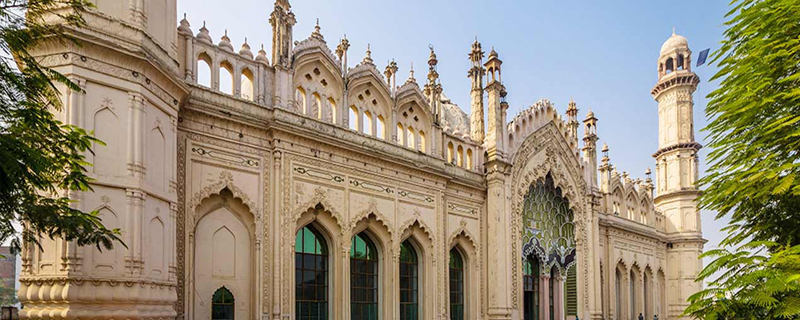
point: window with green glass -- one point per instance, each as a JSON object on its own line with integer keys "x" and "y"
{"x": 363, "y": 278}
{"x": 456, "y": 285}
{"x": 409, "y": 282}
{"x": 531, "y": 288}
{"x": 311, "y": 275}
{"x": 222, "y": 305}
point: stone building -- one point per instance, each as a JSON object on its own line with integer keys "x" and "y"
{"x": 314, "y": 188}
{"x": 8, "y": 267}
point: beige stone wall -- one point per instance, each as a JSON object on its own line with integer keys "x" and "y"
{"x": 210, "y": 186}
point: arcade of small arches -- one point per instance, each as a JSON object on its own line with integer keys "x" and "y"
{"x": 633, "y": 292}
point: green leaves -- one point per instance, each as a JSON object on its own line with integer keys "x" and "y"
{"x": 42, "y": 160}
{"x": 754, "y": 134}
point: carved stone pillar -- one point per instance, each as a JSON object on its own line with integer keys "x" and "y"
{"x": 498, "y": 227}
{"x": 277, "y": 251}
{"x": 544, "y": 296}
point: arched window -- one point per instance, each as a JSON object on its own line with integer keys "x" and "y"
{"x": 319, "y": 109}
{"x": 381, "y": 128}
{"x": 531, "y": 288}
{"x": 363, "y": 279}
{"x": 367, "y": 119}
{"x": 670, "y": 65}
{"x": 222, "y": 305}
{"x": 679, "y": 65}
{"x": 204, "y": 70}
{"x": 247, "y": 86}
{"x": 456, "y": 285}
{"x": 450, "y": 152}
{"x": 311, "y": 275}
{"x": 469, "y": 159}
{"x": 422, "y": 146}
{"x": 334, "y": 111}
{"x": 353, "y": 118}
{"x": 411, "y": 142}
{"x": 409, "y": 282}
{"x": 460, "y": 155}
{"x": 300, "y": 100}
{"x": 400, "y": 134}
{"x": 226, "y": 78}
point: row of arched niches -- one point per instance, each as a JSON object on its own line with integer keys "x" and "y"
{"x": 548, "y": 252}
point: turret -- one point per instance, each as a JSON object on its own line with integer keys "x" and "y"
{"x": 476, "y": 72}
{"x": 589, "y": 143}
{"x": 282, "y": 20}
{"x": 572, "y": 120}
{"x": 496, "y": 93}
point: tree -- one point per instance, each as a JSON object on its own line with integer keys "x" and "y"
{"x": 41, "y": 159}
{"x": 754, "y": 173}
{"x": 8, "y": 296}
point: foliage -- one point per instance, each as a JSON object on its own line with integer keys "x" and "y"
{"x": 754, "y": 173}
{"x": 8, "y": 296}
{"x": 41, "y": 159}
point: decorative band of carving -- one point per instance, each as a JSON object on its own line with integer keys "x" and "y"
{"x": 96, "y": 282}
{"x": 462, "y": 210}
{"x": 371, "y": 186}
{"x": 319, "y": 174}
{"x": 415, "y": 196}
{"x": 225, "y": 157}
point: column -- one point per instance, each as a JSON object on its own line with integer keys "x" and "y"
{"x": 345, "y": 283}
{"x": 544, "y": 297}
{"x": 277, "y": 253}
{"x": 558, "y": 297}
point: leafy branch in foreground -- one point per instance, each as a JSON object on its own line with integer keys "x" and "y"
{"x": 754, "y": 173}
{"x": 41, "y": 159}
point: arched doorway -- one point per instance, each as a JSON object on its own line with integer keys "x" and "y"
{"x": 548, "y": 244}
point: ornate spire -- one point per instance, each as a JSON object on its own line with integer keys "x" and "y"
{"x": 411, "y": 74}
{"x": 368, "y": 57}
{"x": 317, "y": 34}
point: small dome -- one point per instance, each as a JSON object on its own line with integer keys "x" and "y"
{"x": 245, "y": 51}
{"x": 262, "y": 55}
{"x": 674, "y": 42}
{"x": 492, "y": 54}
{"x": 590, "y": 114}
{"x": 225, "y": 42}
{"x": 184, "y": 26}
{"x": 203, "y": 34}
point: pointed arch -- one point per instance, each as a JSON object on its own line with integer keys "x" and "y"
{"x": 226, "y": 82}
{"x": 203, "y": 75}
{"x": 247, "y": 84}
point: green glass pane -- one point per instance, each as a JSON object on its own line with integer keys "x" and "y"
{"x": 318, "y": 247}
{"x": 298, "y": 242}
{"x": 308, "y": 241}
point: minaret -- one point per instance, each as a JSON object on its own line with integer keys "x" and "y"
{"x": 282, "y": 20}
{"x": 676, "y": 171}
{"x": 496, "y": 93}
{"x": 499, "y": 217}
{"x": 589, "y": 143}
{"x": 477, "y": 130}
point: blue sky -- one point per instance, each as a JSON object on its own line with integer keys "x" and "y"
{"x": 601, "y": 53}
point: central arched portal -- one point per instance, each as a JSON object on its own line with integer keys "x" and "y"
{"x": 548, "y": 252}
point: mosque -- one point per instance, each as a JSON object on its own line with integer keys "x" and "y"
{"x": 311, "y": 183}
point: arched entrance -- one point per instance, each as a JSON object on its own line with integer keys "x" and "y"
{"x": 548, "y": 251}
